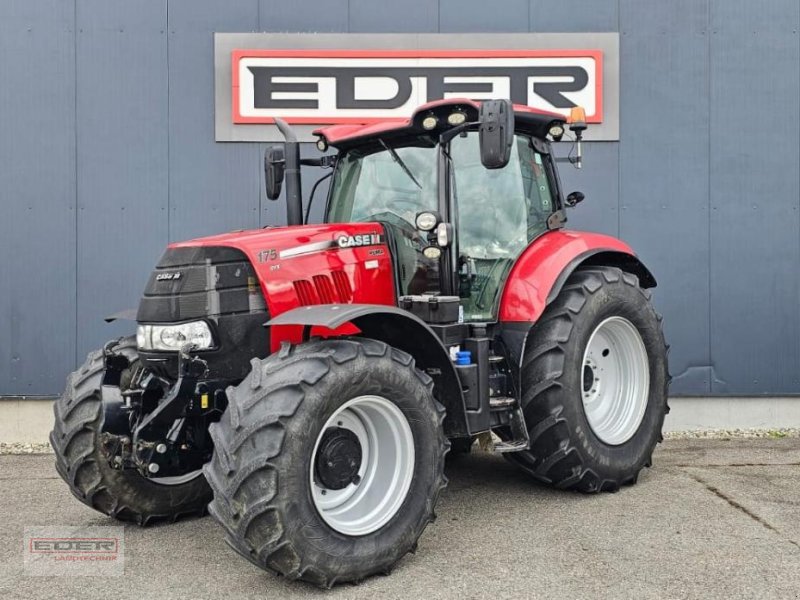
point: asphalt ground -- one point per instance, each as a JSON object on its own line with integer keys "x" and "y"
{"x": 711, "y": 519}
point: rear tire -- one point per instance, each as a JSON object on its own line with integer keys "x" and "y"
{"x": 264, "y": 471}
{"x": 122, "y": 494}
{"x": 589, "y": 436}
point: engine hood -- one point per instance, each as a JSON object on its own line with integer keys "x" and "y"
{"x": 330, "y": 263}
{"x": 293, "y": 241}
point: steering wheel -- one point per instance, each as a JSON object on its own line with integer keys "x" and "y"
{"x": 412, "y": 205}
{"x": 391, "y": 216}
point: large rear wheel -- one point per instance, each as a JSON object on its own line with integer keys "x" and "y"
{"x": 594, "y": 383}
{"x": 328, "y": 461}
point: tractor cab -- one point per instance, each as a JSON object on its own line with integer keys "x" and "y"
{"x": 461, "y": 189}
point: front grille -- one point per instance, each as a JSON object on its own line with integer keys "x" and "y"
{"x": 218, "y": 285}
{"x": 199, "y": 282}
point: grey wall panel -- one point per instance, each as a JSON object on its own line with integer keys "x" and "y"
{"x": 599, "y": 181}
{"x": 505, "y": 15}
{"x": 664, "y": 172}
{"x": 755, "y": 216}
{"x": 574, "y": 15}
{"x": 741, "y": 17}
{"x": 37, "y": 195}
{"x": 320, "y": 16}
{"x": 680, "y": 17}
{"x": 107, "y": 153}
{"x": 207, "y": 16}
{"x": 397, "y": 16}
{"x": 122, "y": 157}
{"x": 212, "y": 187}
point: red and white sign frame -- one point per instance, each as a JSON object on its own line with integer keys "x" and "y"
{"x": 594, "y": 113}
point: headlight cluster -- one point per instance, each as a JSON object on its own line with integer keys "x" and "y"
{"x": 174, "y": 337}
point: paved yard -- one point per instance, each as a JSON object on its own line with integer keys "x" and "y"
{"x": 712, "y": 519}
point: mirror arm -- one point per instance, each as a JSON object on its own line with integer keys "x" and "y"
{"x": 326, "y": 162}
{"x": 449, "y": 134}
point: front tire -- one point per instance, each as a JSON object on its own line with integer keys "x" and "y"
{"x": 594, "y": 384}
{"x": 286, "y": 509}
{"x": 122, "y": 494}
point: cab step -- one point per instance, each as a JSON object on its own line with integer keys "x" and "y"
{"x": 519, "y": 431}
{"x": 502, "y": 402}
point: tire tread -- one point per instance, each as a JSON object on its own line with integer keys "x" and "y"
{"x": 553, "y": 457}
{"x": 231, "y": 473}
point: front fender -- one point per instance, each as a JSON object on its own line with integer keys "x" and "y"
{"x": 400, "y": 329}
{"x": 544, "y": 266}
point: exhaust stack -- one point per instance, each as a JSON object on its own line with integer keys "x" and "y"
{"x": 294, "y": 195}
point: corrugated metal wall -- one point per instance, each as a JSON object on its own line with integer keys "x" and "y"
{"x": 107, "y": 153}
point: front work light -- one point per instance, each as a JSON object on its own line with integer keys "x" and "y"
{"x": 556, "y": 132}
{"x": 456, "y": 118}
{"x": 426, "y": 221}
{"x": 174, "y": 337}
{"x": 432, "y": 252}
{"x": 429, "y": 122}
{"x": 322, "y": 144}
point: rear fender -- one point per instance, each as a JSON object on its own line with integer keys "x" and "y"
{"x": 541, "y": 272}
{"x": 399, "y": 329}
{"x": 544, "y": 266}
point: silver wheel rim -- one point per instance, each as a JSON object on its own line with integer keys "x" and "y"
{"x": 615, "y": 381}
{"x": 387, "y": 467}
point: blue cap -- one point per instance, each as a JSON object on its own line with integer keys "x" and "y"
{"x": 464, "y": 357}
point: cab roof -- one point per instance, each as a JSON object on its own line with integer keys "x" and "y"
{"x": 527, "y": 120}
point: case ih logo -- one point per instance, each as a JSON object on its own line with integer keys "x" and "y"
{"x": 360, "y": 86}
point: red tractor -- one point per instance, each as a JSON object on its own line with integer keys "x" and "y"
{"x": 304, "y": 383}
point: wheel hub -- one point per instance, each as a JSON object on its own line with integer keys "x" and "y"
{"x": 588, "y": 379}
{"x": 369, "y": 442}
{"x": 338, "y": 458}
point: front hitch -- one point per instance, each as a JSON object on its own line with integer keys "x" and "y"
{"x": 159, "y": 443}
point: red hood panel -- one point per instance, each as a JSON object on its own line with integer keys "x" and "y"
{"x": 331, "y": 263}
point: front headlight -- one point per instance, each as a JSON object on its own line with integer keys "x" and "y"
{"x": 174, "y": 337}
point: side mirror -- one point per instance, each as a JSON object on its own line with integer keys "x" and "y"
{"x": 574, "y": 198}
{"x": 274, "y": 168}
{"x": 496, "y": 133}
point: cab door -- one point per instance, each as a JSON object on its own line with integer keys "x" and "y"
{"x": 498, "y": 213}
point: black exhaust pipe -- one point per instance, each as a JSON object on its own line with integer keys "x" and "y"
{"x": 294, "y": 194}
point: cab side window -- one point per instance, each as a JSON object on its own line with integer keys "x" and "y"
{"x": 500, "y": 211}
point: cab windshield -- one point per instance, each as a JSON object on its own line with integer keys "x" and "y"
{"x": 391, "y": 184}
